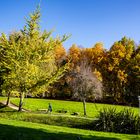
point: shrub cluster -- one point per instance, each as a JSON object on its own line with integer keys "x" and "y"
{"x": 110, "y": 120}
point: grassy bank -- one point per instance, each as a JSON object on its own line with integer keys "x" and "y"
{"x": 15, "y": 130}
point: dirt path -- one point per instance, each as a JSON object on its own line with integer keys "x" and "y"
{"x": 13, "y": 106}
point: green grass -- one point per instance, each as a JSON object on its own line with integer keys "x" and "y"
{"x": 19, "y": 130}
{"x": 2, "y": 98}
{"x": 72, "y": 122}
{"x": 70, "y": 106}
{"x": 54, "y": 119}
{"x": 51, "y": 119}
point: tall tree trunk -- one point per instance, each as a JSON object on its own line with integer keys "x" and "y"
{"x": 8, "y": 98}
{"x": 84, "y": 106}
{"x": 21, "y": 101}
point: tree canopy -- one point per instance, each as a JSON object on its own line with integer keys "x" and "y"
{"x": 28, "y": 56}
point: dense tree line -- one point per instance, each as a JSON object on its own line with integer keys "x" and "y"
{"x": 118, "y": 68}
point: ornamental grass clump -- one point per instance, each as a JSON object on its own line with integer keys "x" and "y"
{"x": 110, "y": 120}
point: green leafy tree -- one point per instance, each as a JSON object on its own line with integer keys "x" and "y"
{"x": 29, "y": 56}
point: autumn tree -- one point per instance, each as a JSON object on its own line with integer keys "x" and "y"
{"x": 30, "y": 58}
{"x": 58, "y": 89}
{"x": 62, "y": 89}
{"x": 60, "y": 54}
{"x": 84, "y": 83}
{"x": 74, "y": 55}
{"x": 133, "y": 78}
{"x": 95, "y": 56}
{"x": 114, "y": 69}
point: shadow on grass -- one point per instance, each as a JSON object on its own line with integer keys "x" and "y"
{"x": 8, "y": 132}
{"x": 2, "y": 106}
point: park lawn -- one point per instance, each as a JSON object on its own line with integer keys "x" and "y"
{"x": 2, "y": 98}
{"x": 71, "y": 106}
{"x": 15, "y": 130}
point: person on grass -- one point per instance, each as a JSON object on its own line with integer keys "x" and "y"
{"x": 49, "y": 108}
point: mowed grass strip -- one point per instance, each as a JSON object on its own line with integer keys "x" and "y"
{"x": 15, "y": 130}
{"x": 70, "y": 106}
